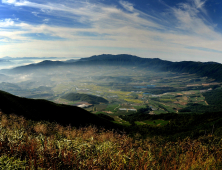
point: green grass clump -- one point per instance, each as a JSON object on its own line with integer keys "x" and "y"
{"x": 10, "y": 163}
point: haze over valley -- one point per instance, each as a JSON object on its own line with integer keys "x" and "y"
{"x": 127, "y": 82}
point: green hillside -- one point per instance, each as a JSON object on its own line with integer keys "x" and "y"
{"x": 84, "y": 97}
{"x": 179, "y": 125}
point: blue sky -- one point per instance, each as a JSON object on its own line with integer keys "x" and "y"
{"x": 173, "y": 30}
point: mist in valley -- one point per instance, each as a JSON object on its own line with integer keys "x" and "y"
{"x": 53, "y": 82}
{"x": 121, "y": 82}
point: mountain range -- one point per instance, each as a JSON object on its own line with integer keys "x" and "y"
{"x": 204, "y": 69}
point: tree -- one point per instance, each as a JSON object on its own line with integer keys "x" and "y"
{"x": 144, "y": 110}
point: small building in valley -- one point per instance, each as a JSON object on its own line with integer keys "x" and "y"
{"x": 127, "y": 109}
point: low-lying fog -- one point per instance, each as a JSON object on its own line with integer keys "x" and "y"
{"x": 31, "y": 83}
{"x": 9, "y": 62}
{"x": 50, "y": 81}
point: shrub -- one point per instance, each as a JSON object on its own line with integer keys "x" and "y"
{"x": 7, "y": 163}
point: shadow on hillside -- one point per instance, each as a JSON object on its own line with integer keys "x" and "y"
{"x": 39, "y": 110}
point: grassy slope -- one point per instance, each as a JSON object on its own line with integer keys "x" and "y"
{"x": 106, "y": 150}
{"x": 44, "y": 146}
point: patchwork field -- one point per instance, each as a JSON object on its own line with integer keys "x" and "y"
{"x": 127, "y": 89}
{"x": 134, "y": 88}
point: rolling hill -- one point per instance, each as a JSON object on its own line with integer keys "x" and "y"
{"x": 84, "y": 97}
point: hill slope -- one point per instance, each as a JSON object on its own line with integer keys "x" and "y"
{"x": 49, "y": 111}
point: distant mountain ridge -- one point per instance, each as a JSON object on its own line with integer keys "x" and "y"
{"x": 123, "y": 60}
{"x": 204, "y": 69}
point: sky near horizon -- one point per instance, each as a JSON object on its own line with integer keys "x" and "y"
{"x": 174, "y": 30}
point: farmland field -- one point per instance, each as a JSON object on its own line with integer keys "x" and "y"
{"x": 128, "y": 89}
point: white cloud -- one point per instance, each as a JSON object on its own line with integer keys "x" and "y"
{"x": 9, "y": 1}
{"x": 35, "y": 13}
{"x": 190, "y": 20}
{"x": 6, "y": 22}
{"x": 87, "y": 12}
{"x": 46, "y": 20}
{"x": 199, "y": 3}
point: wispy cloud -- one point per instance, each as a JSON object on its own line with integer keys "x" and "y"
{"x": 128, "y": 6}
{"x": 46, "y": 20}
{"x": 200, "y": 5}
{"x": 191, "y": 20}
{"x": 86, "y": 12}
{"x": 35, "y": 13}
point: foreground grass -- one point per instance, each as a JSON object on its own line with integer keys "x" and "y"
{"x": 41, "y": 145}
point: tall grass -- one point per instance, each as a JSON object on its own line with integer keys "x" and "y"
{"x": 26, "y": 144}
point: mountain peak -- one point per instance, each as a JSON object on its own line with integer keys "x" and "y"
{"x": 110, "y": 56}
